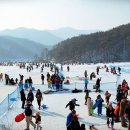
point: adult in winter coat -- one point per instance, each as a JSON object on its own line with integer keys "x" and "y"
{"x": 68, "y": 68}
{"x": 120, "y": 95}
{"x": 98, "y": 70}
{"x": 39, "y": 98}
{"x": 69, "y": 119}
{"x": 57, "y": 83}
{"x": 123, "y": 106}
{"x": 75, "y": 125}
{"x": 98, "y": 85}
{"x": 30, "y": 96}
{"x": 48, "y": 75}
{"x": 110, "y": 116}
{"x": 128, "y": 114}
{"x": 107, "y": 97}
{"x": 72, "y": 104}
{"x": 42, "y": 78}
{"x": 125, "y": 88}
{"x": 28, "y": 116}
{"x": 30, "y": 82}
{"x": 85, "y": 73}
{"x": 86, "y": 83}
{"x": 86, "y": 96}
{"x": 89, "y": 105}
{"x": 23, "y": 97}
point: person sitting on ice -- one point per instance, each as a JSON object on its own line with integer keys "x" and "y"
{"x": 72, "y": 104}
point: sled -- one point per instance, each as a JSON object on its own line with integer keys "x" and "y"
{"x": 76, "y": 91}
{"x": 116, "y": 111}
{"x": 44, "y": 106}
{"x": 92, "y": 127}
{"x": 96, "y": 104}
{"x": 19, "y": 117}
{"x": 33, "y": 89}
{"x": 13, "y": 99}
{"x": 47, "y": 91}
{"x": 114, "y": 102}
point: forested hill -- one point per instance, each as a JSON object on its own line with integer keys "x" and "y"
{"x": 109, "y": 46}
{"x": 18, "y": 49}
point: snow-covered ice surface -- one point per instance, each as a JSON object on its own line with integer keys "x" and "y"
{"x": 54, "y": 118}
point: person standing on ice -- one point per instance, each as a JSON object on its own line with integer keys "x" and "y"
{"x": 110, "y": 116}
{"x": 39, "y": 98}
{"x": 72, "y": 104}
{"x": 23, "y": 97}
{"x": 68, "y": 68}
{"x": 42, "y": 78}
{"x": 119, "y": 70}
{"x": 100, "y": 100}
{"x": 89, "y": 105}
{"x": 30, "y": 96}
{"x": 38, "y": 120}
{"x": 107, "y": 97}
{"x": 86, "y": 83}
{"x": 98, "y": 85}
{"x": 85, "y": 73}
{"x": 28, "y": 115}
{"x": 70, "y": 119}
{"x": 86, "y": 96}
{"x": 97, "y": 70}
{"x": 30, "y": 82}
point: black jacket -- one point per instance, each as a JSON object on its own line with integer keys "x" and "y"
{"x": 75, "y": 125}
{"x": 72, "y": 105}
{"x": 23, "y": 97}
{"x": 110, "y": 113}
{"x": 28, "y": 111}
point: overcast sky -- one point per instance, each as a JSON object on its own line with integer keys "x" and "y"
{"x": 53, "y": 14}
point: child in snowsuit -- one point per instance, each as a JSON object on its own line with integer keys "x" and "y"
{"x": 99, "y": 110}
{"x": 38, "y": 120}
{"x": 110, "y": 116}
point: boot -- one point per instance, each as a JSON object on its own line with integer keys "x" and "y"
{"x": 112, "y": 127}
{"x": 123, "y": 124}
{"x": 108, "y": 125}
{"x": 94, "y": 128}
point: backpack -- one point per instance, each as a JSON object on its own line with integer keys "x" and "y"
{"x": 82, "y": 127}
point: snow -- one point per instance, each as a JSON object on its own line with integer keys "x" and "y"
{"x": 54, "y": 118}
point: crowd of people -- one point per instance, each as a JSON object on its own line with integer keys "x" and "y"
{"x": 119, "y": 113}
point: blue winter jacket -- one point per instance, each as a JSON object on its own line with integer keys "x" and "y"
{"x": 69, "y": 119}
